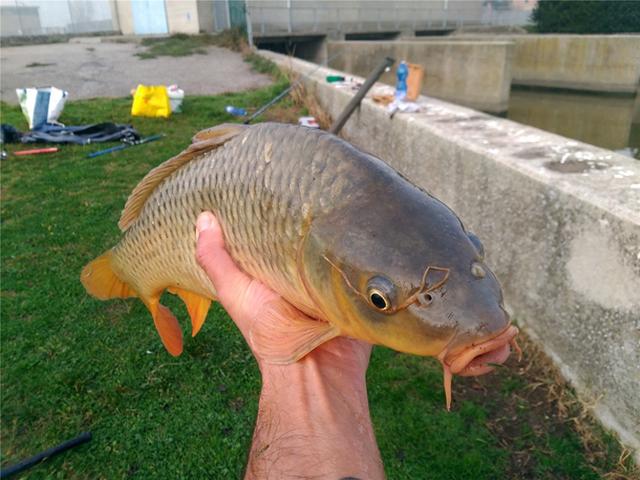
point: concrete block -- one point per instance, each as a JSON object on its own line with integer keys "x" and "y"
{"x": 560, "y": 221}
{"x": 606, "y": 63}
{"x": 475, "y": 74}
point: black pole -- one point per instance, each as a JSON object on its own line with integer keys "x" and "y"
{"x": 275, "y": 99}
{"x": 278, "y": 97}
{"x": 355, "y": 101}
{"x": 30, "y": 462}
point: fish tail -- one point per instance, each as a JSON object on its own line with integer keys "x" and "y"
{"x": 100, "y": 280}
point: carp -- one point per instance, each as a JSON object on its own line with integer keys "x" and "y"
{"x": 335, "y": 231}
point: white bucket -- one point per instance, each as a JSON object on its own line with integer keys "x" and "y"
{"x": 176, "y": 95}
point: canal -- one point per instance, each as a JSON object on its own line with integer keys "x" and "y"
{"x": 607, "y": 121}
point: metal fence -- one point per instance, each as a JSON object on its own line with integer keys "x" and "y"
{"x": 279, "y": 17}
{"x": 270, "y": 17}
{"x": 55, "y": 17}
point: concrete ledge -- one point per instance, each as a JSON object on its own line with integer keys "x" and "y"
{"x": 606, "y": 63}
{"x": 566, "y": 246}
{"x": 475, "y": 74}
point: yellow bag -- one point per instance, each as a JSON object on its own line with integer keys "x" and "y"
{"x": 151, "y": 101}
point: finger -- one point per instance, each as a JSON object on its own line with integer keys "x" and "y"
{"x": 229, "y": 281}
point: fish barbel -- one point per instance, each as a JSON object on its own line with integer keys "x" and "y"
{"x": 336, "y": 232}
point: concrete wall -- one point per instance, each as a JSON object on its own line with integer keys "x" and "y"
{"x": 475, "y": 74}
{"x": 182, "y": 16}
{"x": 206, "y": 19}
{"x": 608, "y": 63}
{"x": 125, "y": 16}
{"x": 566, "y": 246}
{"x": 589, "y": 62}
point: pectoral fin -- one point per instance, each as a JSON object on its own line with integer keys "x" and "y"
{"x": 197, "y": 306}
{"x": 284, "y": 335}
{"x": 167, "y": 326}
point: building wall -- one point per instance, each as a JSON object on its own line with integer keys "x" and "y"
{"x": 205, "y": 16}
{"x": 182, "y": 16}
{"x": 125, "y": 16}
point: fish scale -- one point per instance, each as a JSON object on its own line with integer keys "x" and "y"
{"x": 257, "y": 201}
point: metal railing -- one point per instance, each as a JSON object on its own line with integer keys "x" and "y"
{"x": 56, "y": 17}
{"x": 269, "y": 18}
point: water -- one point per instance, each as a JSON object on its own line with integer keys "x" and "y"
{"x": 608, "y": 121}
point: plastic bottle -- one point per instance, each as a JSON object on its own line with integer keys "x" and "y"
{"x": 401, "y": 84}
{"x": 237, "y": 111}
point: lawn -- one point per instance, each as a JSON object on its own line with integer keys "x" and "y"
{"x": 181, "y": 45}
{"x": 71, "y": 363}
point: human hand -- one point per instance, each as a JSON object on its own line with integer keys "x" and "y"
{"x": 250, "y": 304}
{"x": 313, "y": 416}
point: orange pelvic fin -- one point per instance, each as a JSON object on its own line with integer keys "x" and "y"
{"x": 100, "y": 281}
{"x": 197, "y": 306}
{"x": 167, "y": 326}
{"x": 284, "y": 335}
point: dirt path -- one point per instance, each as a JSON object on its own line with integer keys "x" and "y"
{"x": 89, "y": 69}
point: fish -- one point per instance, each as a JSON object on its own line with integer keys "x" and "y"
{"x": 353, "y": 245}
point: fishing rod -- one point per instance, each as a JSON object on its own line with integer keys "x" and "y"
{"x": 48, "y": 453}
{"x": 373, "y": 77}
{"x": 284, "y": 93}
{"x": 144, "y": 140}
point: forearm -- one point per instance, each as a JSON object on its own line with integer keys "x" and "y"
{"x": 313, "y": 422}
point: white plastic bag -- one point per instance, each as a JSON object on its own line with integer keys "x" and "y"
{"x": 41, "y": 105}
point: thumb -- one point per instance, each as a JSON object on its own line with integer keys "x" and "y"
{"x": 229, "y": 281}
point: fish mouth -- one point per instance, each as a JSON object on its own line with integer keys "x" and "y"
{"x": 478, "y": 359}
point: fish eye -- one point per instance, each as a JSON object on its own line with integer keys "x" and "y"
{"x": 380, "y": 293}
{"x": 378, "y": 299}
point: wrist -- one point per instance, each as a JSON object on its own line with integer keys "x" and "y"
{"x": 311, "y": 387}
{"x": 319, "y": 415}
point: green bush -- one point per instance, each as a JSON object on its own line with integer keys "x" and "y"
{"x": 588, "y": 16}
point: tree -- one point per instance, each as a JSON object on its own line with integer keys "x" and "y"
{"x": 587, "y": 16}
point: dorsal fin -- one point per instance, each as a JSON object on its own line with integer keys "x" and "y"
{"x": 203, "y": 141}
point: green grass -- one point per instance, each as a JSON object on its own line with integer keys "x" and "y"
{"x": 181, "y": 44}
{"x": 71, "y": 363}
